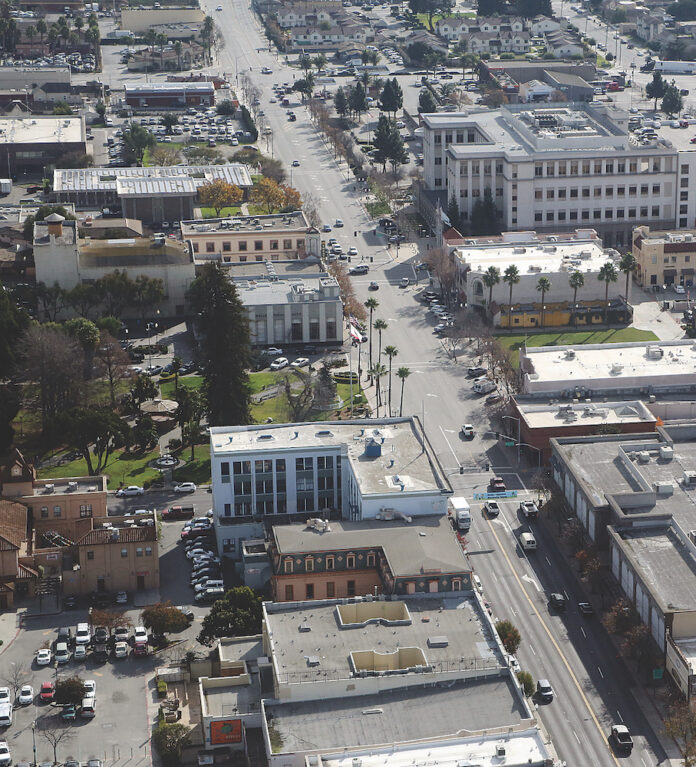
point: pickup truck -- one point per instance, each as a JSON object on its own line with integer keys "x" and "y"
{"x": 529, "y": 509}
{"x": 622, "y": 738}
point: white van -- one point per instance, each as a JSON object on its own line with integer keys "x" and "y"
{"x": 88, "y": 707}
{"x": 528, "y": 542}
{"x": 484, "y": 387}
{"x": 461, "y": 512}
{"x": 5, "y": 714}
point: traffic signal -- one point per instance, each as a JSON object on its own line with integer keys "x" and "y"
{"x": 488, "y": 467}
{"x": 461, "y": 469}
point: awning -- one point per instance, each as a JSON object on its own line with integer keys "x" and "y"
{"x": 669, "y": 272}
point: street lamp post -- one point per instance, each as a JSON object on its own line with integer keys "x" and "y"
{"x": 33, "y": 739}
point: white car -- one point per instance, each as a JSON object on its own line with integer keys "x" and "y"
{"x": 266, "y": 71}
{"x": 121, "y": 650}
{"x": 4, "y": 695}
{"x": 273, "y": 351}
{"x": 82, "y": 634}
{"x": 185, "y": 487}
{"x": 352, "y": 251}
{"x": 280, "y": 363}
{"x": 140, "y": 634}
{"x": 679, "y": 289}
{"x": 80, "y": 652}
{"x": 44, "y": 657}
{"x": 26, "y": 695}
{"x": 5, "y": 756}
{"x": 468, "y": 431}
{"x": 90, "y": 688}
{"x": 300, "y": 362}
{"x": 338, "y": 223}
{"x": 131, "y": 490}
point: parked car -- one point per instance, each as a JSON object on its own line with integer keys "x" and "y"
{"x": 5, "y": 755}
{"x": 121, "y": 650}
{"x": 62, "y": 653}
{"x": 47, "y": 692}
{"x": 83, "y": 634}
{"x": 557, "y": 601}
{"x": 69, "y": 712}
{"x": 280, "y": 363}
{"x": 185, "y": 487}
{"x": 359, "y": 269}
{"x": 80, "y": 652}
{"x": 26, "y": 695}
{"x": 544, "y": 690}
{"x": 140, "y": 634}
{"x": 468, "y": 431}
{"x": 44, "y": 657}
{"x": 121, "y": 634}
{"x": 300, "y": 362}
{"x": 131, "y": 490}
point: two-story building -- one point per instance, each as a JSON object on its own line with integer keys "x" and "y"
{"x": 664, "y": 257}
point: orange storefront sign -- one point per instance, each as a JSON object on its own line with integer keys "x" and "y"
{"x": 226, "y": 731}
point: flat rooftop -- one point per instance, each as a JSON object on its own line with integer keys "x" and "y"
{"x": 389, "y": 456}
{"x": 240, "y": 648}
{"x": 41, "y": 130}
{"x": 230, "y": 699}
{"x": 48, "y": 487}
{"x": 136, "y": 251}
{"x": 428, "y": 545}
{"x": 611, "y": 366}
{"x": 535, "y": 258}
{"x": 258, "y": 270}
{"x": 545, "y": 416}
{"x": 168, "y": 87}
{"x": 265, "y": 292}
{"x": 665, "y": 564}
{"x": 398, "y": 716}
{"x": 280, "y": 222}
{"x": 301, "y": 632}
{"x": 106, "y": 179}
{"x": 521, "y": 747}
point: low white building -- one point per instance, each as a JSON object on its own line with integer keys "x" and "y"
{"x": 535, "y": 90}
{"x": 356, "y": 471}
{"x": 553, "y": 256}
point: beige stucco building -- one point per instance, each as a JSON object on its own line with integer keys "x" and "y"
{"x": 664, "y": 258}
{"x": 139, "y": 20}
{"x": 240, "y": 239}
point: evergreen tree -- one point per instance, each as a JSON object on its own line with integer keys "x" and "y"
{"x": 392, "y": 97}
{"x": 656, "y": 88}
{"x": 225, "y": 346}
{"x": 426, "y": 102}
{"x": 672, "y": 102}
{"x": 357, "y": 100}
{"x": 484, "y": 215}
{"x": 453, "y": 212}
{"x": 341, "y": 103}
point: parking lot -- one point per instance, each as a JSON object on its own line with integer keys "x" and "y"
{"x": 125, "y": 698}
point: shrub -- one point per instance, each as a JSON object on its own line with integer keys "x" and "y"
{"x": 509, "y": 636}
{"x": 525, "y": 679}
{"x": 174, "y": 443}
{"x": 161, "y": 688}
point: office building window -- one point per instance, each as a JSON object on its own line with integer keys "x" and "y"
{"x": 609, "y": 191}
{"x": 242, "y": 467}
{"x": 586, "y": 168}
{"x": 226, "y": 246}
{"x": 609, "y": 213}
{"x": 325, "y": 462}
{"x": 44, "y": 512}
{"x": 549, "y": 215}
{"x": 598, "y": 167}
{"x": 573, "y": 192}
{"x": 550, "y": 194}
{"x": 598, "y": 191}
{"x": 631, "y": 212}
{"x": 280, "y": 464}
{"x": 86, "y": 510}
{"x": 330, "y": 589}
{"x": 56, "y": 511}
{"x": 585, "y": 192}
{"x": 682, "y": 222}
{"x": 562, "y": 194}
{"x": 309, "y": 564}
{"x": 644, "y": 212}
{"x": 263, "y": 466}
{"x": 124, "y": 553}
{"x": 330, "y": 564}
{"x": 538, "y": 194}
{"x": 596, "y": 214}
{"x": 309, "y": 591}
{"x": 632, "y": 191}
{"x": 227, "y": 510}
{"x": 304, "y": 464}
{"x": 370, "y": 560}
{"x": 619, "y": 213}
{"x": 350, "y": 588}
{"x": 573, "y": 215}
{"x": 287, "y": 565}
{"x": 620, "y": 191}
{"x": 561, "y": 215}
{"x": 573, "y": 169}
{"x": 350, "y": 561}
{"x": 225, "y": 472}
{"x": 289, "y": 594}
{"x": 609, "y": 168}
{"x": 621, "y": 167}
{"x": 438, "y": 138}
{"x": 258, "y": 244}
{"x": 138, "y": 552}
{"x": 538, "y": 217}
{"x": 274, "y": 244}
{"x": 538, "y": 169}
{"x": 210, "y": 247}
{"x": 683, "y": 196}
{"x": 287, "y": 244}
{"x": 242, "y": 246}
{"x": 585, "y": 215}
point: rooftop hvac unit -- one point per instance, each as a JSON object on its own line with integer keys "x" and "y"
{"x": 49, "y": 488}
{"x": 616, "y": 368}
{"x": 500, "y": 750}
{"x": 666, "y": 453}
{"x": 690, "y": 477}
{"x": 655, "y": 352}
{"x": 570, "y": 416}
{"x": 644, "y": 456}
{"x": 688, "y": 238}
{"x": 570, "y": 354}
{"x": 534, "y": 268}
{"x": 664, "y": 488}
{"x": 692, "y": 536}
{"x": 72, "y": 485}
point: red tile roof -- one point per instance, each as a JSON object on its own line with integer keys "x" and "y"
{"x": 13, "y": 524}
{"x": 125, "y": 535}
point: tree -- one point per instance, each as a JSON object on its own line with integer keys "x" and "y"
{"x": 402, "y": 374}
{"x": 484, "y": 215}
{"x": 576, "y": 281}
{"x": 371, "y": 304}
{"x": 392, "y": 98}
{"x": 628, "y": 265}
{"x": 656, "y": 88}
{"x": 680, "y": 725}
{"x": 14, "y": 676}
{"x": 377, "y": 372}
{"x": 188, "y": 415}
{"x": 175, "y": 366}
{"x": 491, "y": 278}
{"x": 163, "y": 618}
{"x": 324, "y": 389}
{"x": 527, "y": 682}
{"x": 226, "y": 108}
{"x": 607, "y": 274}
{"x": 511, "y": 276}
{"x": 391, "y": 352}
{"x": 426, "y": 102}
{"x": 225, "y": 346}
{"x": 54, "y": 736}
{"x": 380, "y": 325}
{"x": 268, "y": 193}
{"x": 238, "y": 613}
{"x": 169, "y": 120}
{"x": 86, "y": 334}
{"x": 164, "y": 156}
{"x": 292, "y": 199}
{"x": 143, "y": 389}
{"x": 169, "y": 740}
{"x": 300, "y": 399}
{"x": 99, "y": 427}
{"x": 48, "y": 355}
{"x": 672, "y": 102}
{"x": 509, "y": 636}
{"x": 319, "y": 61}
{"x": 357, "y": 99}
{"x": 219, "y": 194}
{"x": 110, "y": 619}
{"x": 51, "y": 298}
{"x": 207, "y": 36}
{"x": 453, "y": 212}
{"x": 136, "y": 141}
{"x": 144, "y": 434}
{"x": 304, "y": 86}
{"x": 341, "y": 103}
{"x": 69, "y": 690}
{"x": 442, "y": 265}
{"x": 388, "y": 142}
{"x": 543, "y": 286}
{"x": 116, "y": 291}
{"x": 430, "y": 7}
{"x": 62, "y": 108}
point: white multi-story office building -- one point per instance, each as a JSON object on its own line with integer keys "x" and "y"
{"x": 368, "y": 470}
{"x": 560, "y": 167}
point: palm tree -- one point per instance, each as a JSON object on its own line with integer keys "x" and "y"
{"x": 376, "y": 372}
{"x": 607, "y": 274}
{"x": 576, "y": 281}
{"x": 79, "y": 23}
{"x": 628, "y": 266}
{"x": 207, "y": 35}
{"x": 41, "y": 28}
{"x": 320, "y": 61}
{"x": 380, "y": 325}
{"x": 31, "y": 33}
{"x": 543, "y": 287}
{"x": 178, "y": 49}
{"x": 491, "y": 277}
{"x": 161, "y": 42}
{"x": 391, "y": 352}
{"x": 371, "y": 304}
{"x": 402, "y": 373}
{"x": 511, "y": 277}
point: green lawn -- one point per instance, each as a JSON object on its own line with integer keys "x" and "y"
{"x": 379, "y": 208}
{"x": 198, "y": 470}
{"x": 122, "y": 468}
{"x": 574, "y": 338}
{"x": 233, "y": 210}
{"x": 190, "y": 382}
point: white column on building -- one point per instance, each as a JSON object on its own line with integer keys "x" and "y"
{"x": 322, "y": 321}
{"x": 270, "y": 330}
{"x": 305, "y": 322}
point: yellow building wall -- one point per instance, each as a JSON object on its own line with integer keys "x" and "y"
{"x": 119, "y": 573}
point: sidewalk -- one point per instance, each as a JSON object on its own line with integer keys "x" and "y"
{"x": 652, "y": 704}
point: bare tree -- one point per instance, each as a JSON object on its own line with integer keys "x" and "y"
{"x": 680, "y": 725}
{"x": 54, "y": 736}
{"x": 311, "y": 209}
{"x": 113, "y": 362}
{"x": 352, "y": 305}
{"x": 110, "y": 619}
{"x": 15, "y": 675}
{"x": 442, "y": 264}
{"x": 300, "y": 400}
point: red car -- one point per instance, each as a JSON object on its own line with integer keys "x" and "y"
{"x": 140, "y": 648}
{"x": 497, "y": 484}
{"x": 47, "y": 690}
